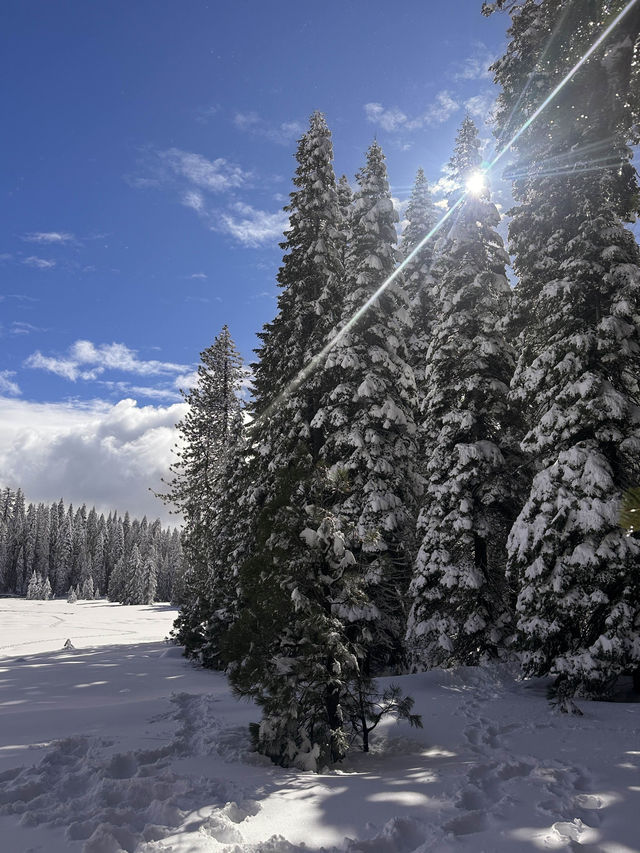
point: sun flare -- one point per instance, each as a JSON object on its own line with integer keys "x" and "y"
{"x": 476, "y": 183}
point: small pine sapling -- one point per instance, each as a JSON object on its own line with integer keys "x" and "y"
{"x": 370, "y": 706}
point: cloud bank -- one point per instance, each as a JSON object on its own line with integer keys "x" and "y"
{"x": 101, "y": 454}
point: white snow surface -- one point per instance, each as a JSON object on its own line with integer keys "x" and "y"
{"x": 119, "y": 744}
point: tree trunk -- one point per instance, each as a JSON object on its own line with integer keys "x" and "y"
{"x": 480, "y": 552}
{"x": 332, "y": 704}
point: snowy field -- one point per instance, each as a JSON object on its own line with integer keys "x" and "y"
{"x": 120, "y": 744}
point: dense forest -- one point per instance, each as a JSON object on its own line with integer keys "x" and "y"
{"x": 434, "y": 463}
{"x": 431, "y": 468}
{"x": 50, "y": 549}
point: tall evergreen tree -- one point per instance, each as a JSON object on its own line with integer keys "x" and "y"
{"x": 293, "y": 657}
{"x": 345, "y": 201}
{"x": 576, "y": 316}
{"x": 135, "y": 578}
{"x": 460, "y": 606}
{"x": 369, "y": 453}
{"x": 421, "y": 215}
{"x": 209, "y": 431}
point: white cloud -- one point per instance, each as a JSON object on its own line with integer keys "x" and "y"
{"x": 186, "y": 381}
{"x": 481, "y": 106}
{"x": 7, "y": 385}
{"x": 39, "y": 263}
{"x": 246, "y": 121}
{"x": 444, "y": 185}
{"x": 98, "y": 358}
{"x": 212, "y": 175}
{"x": 49, "y": 237}
{"x": 151, "y": 393}
{"x": 95, "y": 453}
{"x": 65, "y": 368}
{"x": 387, "y": 119}
{"x": 476, "y": 66}
{"x": 252, "y": 227}
{"x": 204, "y": 114}
{"x": 18, "y": 327}
{"x": 194, "y": 200}
{"x": 198, "y": 275}
{"x": 442, "y": 109}
{"x": 197, "y": 179}
{"x": 394, "y": 120}
{"x": 282, "y": 134}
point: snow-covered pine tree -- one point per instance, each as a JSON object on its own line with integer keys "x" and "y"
{"x": 212, "y": 427}
{"x": 46, "y": 591}
{"x": 134, "y": 584}
{"x": 117, "y": 581}
{"x": 87, "y": 591}
{"x": 150, "y": 575}
{"x": 345, "y": 200}
{"x": 577, "y": 313}
{"x": 460, "y": 606}
{"x": 287, "y": 649}
{"x": 421, "y": 216}
{"x": 230, "y": 539}
{"x": 98, "y": 557}
{"x": 115, "y": 560}
{"x": 64, "y": 548}
{"x": 15, "y": 546}
{"x": 34, "y": 589}
{"x": 369, "y": 453}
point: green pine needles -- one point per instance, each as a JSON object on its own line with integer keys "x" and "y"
{"x": 443, "y": 488}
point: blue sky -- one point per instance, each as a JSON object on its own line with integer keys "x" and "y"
{"x": 147, "y": 156}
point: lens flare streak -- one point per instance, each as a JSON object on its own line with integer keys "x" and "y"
{"x": 319, "y": 357}
{"x": 572, "y": 71}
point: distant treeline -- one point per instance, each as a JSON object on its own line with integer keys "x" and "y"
{"x": 131, "y": 561}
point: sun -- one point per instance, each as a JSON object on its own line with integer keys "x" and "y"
{"x": 476, "y": 183}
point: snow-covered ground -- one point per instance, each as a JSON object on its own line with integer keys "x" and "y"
{"x": 120, "y": 744}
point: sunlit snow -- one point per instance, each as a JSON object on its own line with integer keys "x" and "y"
{"x": 119, "y": 744}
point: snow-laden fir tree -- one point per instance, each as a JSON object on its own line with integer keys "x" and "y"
{"x": 34, "y": 590}
{"x": 213, "y": 421}
{"x": 210, "y": 429}
{"x": 577, "y": 314}
{"x": 87, "y": 591}
{"x": 345, "y": 200}
{"x": 288, "y": 649}
{"x": 369, "y": 452}
{"x": 460, "y": 608}
{"x": 421, "y": 216}
{"x": 230, "y": 539}
{"x": 134, "y": 584}
{"x": 47, "y": 592}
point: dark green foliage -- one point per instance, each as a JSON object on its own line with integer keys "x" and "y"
{"x": 460, "y": 606}
{"x": 575, "y": 325}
